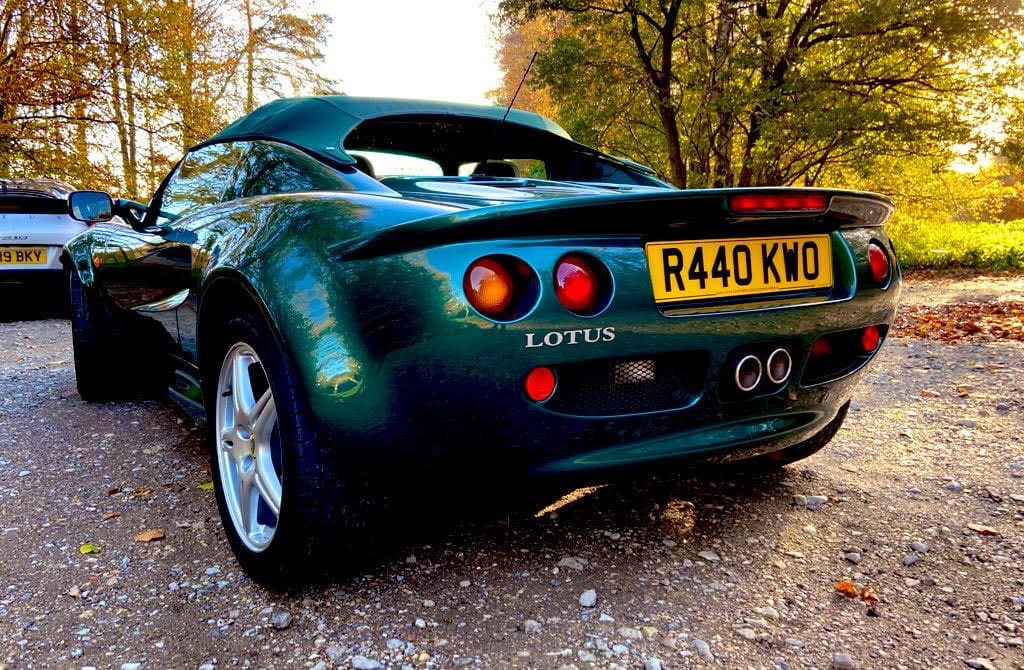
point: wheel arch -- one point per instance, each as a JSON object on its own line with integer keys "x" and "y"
{"x": 224, "y": 292}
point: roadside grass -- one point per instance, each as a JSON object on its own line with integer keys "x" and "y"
{"x": 958, "y": 244}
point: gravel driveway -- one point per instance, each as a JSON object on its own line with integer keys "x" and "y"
{"x": 918, "y": 503}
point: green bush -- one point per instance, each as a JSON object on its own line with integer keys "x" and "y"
{"x": 958, "y": 244}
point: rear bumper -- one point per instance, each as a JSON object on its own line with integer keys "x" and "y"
{"x": 476, "y": 424}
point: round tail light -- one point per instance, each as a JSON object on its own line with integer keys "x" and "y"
{"x": 539, "y": 384}
{"x": 500, "y": 287}
{"x": 582, "y": 284}
{"x": 878, "y": 260}
{"x": 870, "y": 339}
{"x": 489, "y": 286}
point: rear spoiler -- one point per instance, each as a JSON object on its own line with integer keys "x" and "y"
{"x": 628, "y": 214}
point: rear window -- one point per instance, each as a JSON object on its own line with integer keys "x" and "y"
{"x": 26, "y": 204}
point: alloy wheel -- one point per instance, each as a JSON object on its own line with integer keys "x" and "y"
{"x": 249, "y": 447}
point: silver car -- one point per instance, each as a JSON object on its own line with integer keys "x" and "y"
{"x": 34, "y": 225}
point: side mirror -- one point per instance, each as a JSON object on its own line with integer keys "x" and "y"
{"x": 91, "y": 206}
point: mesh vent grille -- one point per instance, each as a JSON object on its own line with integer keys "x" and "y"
{"x": 615, "y": 387}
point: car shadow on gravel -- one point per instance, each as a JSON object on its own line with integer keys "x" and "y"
{"x": 21, "y": 304}
{"x": 692, "y": 511}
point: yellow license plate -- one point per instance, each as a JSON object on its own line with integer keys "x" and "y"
{"x": 706, "y": 269}
{"x": 22, "y": 256}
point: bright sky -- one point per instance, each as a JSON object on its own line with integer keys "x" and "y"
{"x": 442, "y": 50}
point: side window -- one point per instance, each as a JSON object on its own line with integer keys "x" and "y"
{"x": 199, "y": 181}
{"x": 269, "y": 167}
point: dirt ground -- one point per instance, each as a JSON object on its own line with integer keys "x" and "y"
{"x": 921, "y": 510}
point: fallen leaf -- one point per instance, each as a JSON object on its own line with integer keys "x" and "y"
{"x": 928, "y": 393}
{"x": 963, "y": 391}
{"x": 116, "y": 489}
{"x": 89, "y": 549}
{"x": 847, "y": 588}
{"x": 869, "y": 596}
{"x": 987, "y": 531}
{"x": 206, "y": 486}
{"x": 150, "y": 535}
{"x": 111, "y": 515}
{"x": 142, "y": 490}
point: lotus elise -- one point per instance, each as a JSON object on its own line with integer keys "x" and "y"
{"x": 363, "y": 295}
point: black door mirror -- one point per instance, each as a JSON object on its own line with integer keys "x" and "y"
{"x": 91, "y": 206}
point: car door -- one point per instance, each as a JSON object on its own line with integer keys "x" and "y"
{"x": 149, "y": 271}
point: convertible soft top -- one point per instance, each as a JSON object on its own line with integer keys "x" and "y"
{"x": 320, "y": 124}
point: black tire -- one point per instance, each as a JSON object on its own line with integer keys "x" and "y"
{"x": 96, "y": 348}
{"x": 797, "y": 452}
{"x": 326, "y": 513}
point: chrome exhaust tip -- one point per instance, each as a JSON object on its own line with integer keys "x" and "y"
{"x": 780, "y": 365}
{"x": 748, "y": 373}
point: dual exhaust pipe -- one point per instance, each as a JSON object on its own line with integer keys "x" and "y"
{"x": 750, "y": 370}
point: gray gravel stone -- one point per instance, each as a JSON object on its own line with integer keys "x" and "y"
{"x": 709, "y": 555}
{"x": 363, "y": 663}
{"x": 956, "y": 487}
{"x": 652, "y": 663}
{"x": 920, "y": 547}
{"x": 814, "y": 502}
{"x": 980, "y": 664}
{"x": 747, "y": 633}
{"x": 910, "y": 559}
{"x": 572, "y": 562}
{"x": 131, "y": 666}
{"x": 320, "y": 665}
{"x": 852, "y": 556}
{"x": 588, "y": 598}
{"x": 394, "y": 644}
{"x": 586, "y": 656}
{"x": 530, "y": 626}
{"x": 767, "y": 612}
{"x": 843, "y": 662}
{"x": 631, "y": 633}
{"x": 335, "y": 654}
{"x": 281, "y": 620}
{"x": 703, "y": 650}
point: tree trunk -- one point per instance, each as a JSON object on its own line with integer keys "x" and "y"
{"x": 250, "y": 60}
{"x": 116, "y": 94}
{"x": 721, "y": 137}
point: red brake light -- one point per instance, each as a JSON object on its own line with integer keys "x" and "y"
{"x": 879, "y": 262}
{"x": 576, "y": 284}
{"x": 488, "y": 286}
{"x": 870, "y": 339}
{"x": 757, "y": 203}
{"x": 540, "y": 384}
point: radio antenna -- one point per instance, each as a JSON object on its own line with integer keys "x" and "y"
{"x": 501, "y": 124}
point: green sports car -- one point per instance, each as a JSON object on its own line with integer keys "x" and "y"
{"x": 367, "y": 295}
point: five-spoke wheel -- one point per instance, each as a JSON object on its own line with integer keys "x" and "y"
{"x": 249, "y": 449}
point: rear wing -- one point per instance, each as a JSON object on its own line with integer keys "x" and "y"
{"x": 653, "y": 214}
